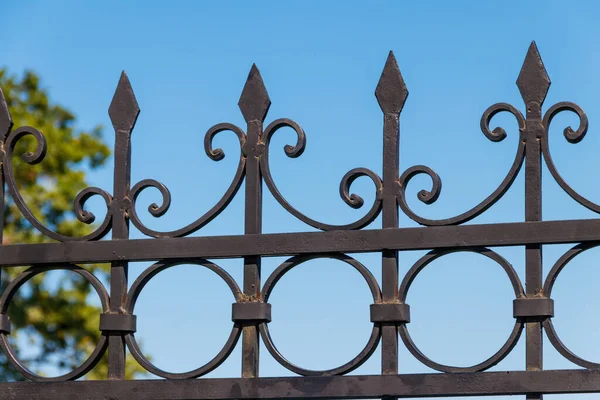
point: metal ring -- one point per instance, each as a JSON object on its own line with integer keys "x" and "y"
{"x": 101, "y": 346}
{"x": 548, "y": 326}
{"x": 134, "y": 293}
{"x": 510, "y": 342}
{"x": 375, "y": 334}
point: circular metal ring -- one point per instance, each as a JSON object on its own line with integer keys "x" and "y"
{"x": 134, "y": 293}
{"x": 375, "y": 334}
{"x": 9, "y": 293}
{"x": 548, "y": 326}
{"x": 510, "y": 342}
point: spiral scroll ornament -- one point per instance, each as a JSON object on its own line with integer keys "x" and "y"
{"x": 351, "y": 199}
{"x": 430, "y": 196}
{"x": 36, "y": 157}
{"x": 572, "y": 136}
{"x": 215, "y": 155}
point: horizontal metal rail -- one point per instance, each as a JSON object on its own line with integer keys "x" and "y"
{"x": 285, "y": 244}
{"x": 336, "y": 387}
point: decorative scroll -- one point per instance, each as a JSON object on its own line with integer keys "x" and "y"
{"x": 428, "y": 197}
{"x": 352, "y": 200}
{"x": 215, "y": 155}
{"x": 572, "y": 137}
{"x": 262, "y": 152}
{"x": 35, "y": 158}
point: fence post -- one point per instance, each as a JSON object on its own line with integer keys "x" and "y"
{"x": 123, "y": 113}
{"x": 254, "y": 104}
{"x": 533, "y": 83}
{"x": 391, "y": 94}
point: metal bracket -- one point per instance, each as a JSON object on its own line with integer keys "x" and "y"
{"x": 4, "y": 324}
{"x": 390, "y": 312}
{"x": 117, "y": 324}
{"x": 251, "y": 313}
{"x": 532, "y": 308}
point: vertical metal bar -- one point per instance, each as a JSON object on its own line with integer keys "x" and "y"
{"x": 123, "y": 113}
{"x": 533, "y": 82}
{"x": 6, "y": 125}
{"x": 254, "y": 104}
{"x": 391, "y": 94}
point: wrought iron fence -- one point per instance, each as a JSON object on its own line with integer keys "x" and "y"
{"x": 251, "y": 313}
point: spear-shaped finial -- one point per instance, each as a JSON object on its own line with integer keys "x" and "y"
{"x": 124, "y": 109}
{"x": 533, "y": 81}
{"x": 391, "y": 91}
{"x": 254, "y": 101}
{"x": 6, "y": 122}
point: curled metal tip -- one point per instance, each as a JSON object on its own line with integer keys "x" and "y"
{"x": 254, "y": 102}
{"x": 391, "y": 92}
{"x": 124, "y": 109}
{"x": 6, "y": 122}
{"x": 533, "y": 81}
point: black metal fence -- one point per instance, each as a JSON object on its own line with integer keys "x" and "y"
{"x": 251, "y": 313}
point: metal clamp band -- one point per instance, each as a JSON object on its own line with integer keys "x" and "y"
{"x": 117, "y": 323}
{"x": 390, "y": 312}
{"x": 533, "y": 308}
{"x": 4, "y": 324}
{"x": 251, "y": 313}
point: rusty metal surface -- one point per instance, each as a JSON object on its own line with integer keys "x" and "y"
{"x": 251, "y": 313}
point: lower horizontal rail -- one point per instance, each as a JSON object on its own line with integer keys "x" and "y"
{"x": 284, "y": 244}
{"x": 338, "y": 387}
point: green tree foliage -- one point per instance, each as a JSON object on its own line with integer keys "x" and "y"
{"x": 56, "y": 317}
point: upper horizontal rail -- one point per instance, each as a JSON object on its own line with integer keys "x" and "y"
{"x": 286, "y": 244}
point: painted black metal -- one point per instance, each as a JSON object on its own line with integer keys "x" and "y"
{"x": 117, "y": 323}
{"x": 251, "y": 312}
{"x": 5, "y": 326}
{"x": 390, "y": 312}
{"x": 532, "y": 308}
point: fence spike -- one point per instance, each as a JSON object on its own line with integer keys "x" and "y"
{"x": 124, "y": 109}
{"x": 254, "y": 102}
{"x": 6, "y": 121}
{"x": 533, "y": 81}
{"x": 391, "y": 92}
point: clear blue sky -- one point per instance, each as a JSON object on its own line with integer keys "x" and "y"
{"x": 321, "y": 61}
